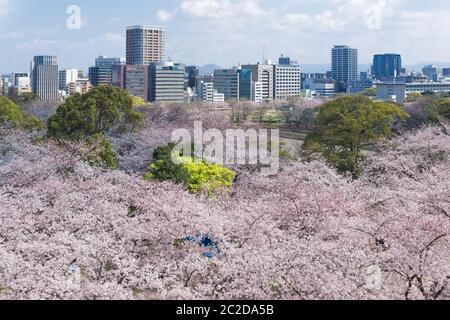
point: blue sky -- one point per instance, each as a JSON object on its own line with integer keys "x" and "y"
{"x": 226, "y": 32}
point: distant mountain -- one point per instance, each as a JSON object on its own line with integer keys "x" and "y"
{"x": 208, "y": 68}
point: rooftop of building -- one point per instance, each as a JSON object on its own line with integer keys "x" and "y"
{"x": 146, "y": 27}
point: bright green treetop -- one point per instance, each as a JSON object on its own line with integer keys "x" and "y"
{"x": 197, "y": 177}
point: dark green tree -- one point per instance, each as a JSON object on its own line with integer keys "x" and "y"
{"x": 97, "y": 111}
{"x": 346, "y": 126}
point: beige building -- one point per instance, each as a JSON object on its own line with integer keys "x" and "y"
{"x": 145, "y": 45}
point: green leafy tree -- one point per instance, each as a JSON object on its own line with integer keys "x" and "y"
{"x": 197, "y": 177}
{"x": 100, "y": 153}
{"x": 97, "y": 111}
{"x": 12, "y": 115}
{"x": 346, "y": 126}
{"x": 439, "y": 110}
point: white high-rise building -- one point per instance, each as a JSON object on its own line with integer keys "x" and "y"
{"x": 257, "y": 92}
{"x": 287, "y": 80}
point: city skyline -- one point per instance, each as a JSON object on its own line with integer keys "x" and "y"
{"x": 199, "y": 31}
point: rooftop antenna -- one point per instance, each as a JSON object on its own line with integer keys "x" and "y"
{"x": 264, "y": 53}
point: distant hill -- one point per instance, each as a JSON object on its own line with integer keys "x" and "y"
{"x": 208, "y": 68}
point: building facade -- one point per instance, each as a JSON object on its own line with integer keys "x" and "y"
{"x": 245, "y": 84}
{"x": 287, "y": 79}
{"x": 136, "y": 81}
{"x": 446, "y": 72}
{"x": 45, "y": 78}
{"x": 344, "y": 64}
{"x": 397, "y": 92}
{"x": 257, "y": 92}
{"x": 263, "y": 73}
{"x": 21, "y": 80}
{"x": 431, "y": 72}
{"x": 387, "y": 65}
{"x": 103, "y": 61}
{"x": 66, "y": 77}
{"x": 192, "y": 73}
{"x": 101, "y": 73}
{"x": 226, "y": 81}
{"x": 145, "y": 45}
{"x": 207, "y": 93}
{"x": 166, "y": 82}
{"x": 322, "y": 88}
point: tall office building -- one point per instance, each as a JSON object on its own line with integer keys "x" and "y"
{"x": 226, "y": 81}
{"x": 344, "y": 61}
{"x": 44, "y": 77}
{"x": 245, "y": 84}
{"x": 387, "y": 65}
{"x": 166, "y": 82}
{"x": 145, "y": 45}
{"x": 263, "y": 73}
{"x": 192, "y": 73}
{"x": 287, "y": 79}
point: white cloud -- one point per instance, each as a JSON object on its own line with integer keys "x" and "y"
{"x": 37, "y": 44}
{"x": 165, "y": 16}
{"x": 5, "y": 7}
{"x": 112, "y": 37}
{"x": 13, "y": 35}
{"x": 220, "y": 8}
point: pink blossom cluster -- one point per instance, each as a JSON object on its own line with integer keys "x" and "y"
{"x": 71, "y": 231}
